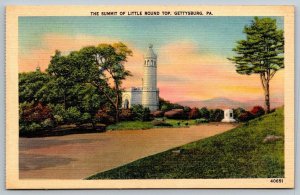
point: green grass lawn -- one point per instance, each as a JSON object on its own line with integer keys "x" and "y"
{"x": 238, "y": 153}
{"x": 174, "y": 122}
{"x": 130, "y": 125}
{"x": 135, "y": 125}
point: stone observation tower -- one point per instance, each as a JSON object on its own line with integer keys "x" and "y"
{"x": 150, "y": 91}
{"x": 148, "y": 94}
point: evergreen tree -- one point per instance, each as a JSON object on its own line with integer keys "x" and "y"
{"x": 261, "y": 53}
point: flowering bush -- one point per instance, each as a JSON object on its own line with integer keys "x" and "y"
{"x": 257, "y": 111}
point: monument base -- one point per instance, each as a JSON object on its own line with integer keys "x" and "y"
{"x": 228, "y": 120}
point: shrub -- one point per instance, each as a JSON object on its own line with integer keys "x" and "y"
{"x": 257, "y": 111}
{"x": 126, "y": 115}
{"x": 104, "y": 116}
{"x": 216, "y": 115}
{"x": 47, "y": 123}
{"x": 140, "y": 113}
{"x": 194, "y": 113}
{"x": 72, "y": 115}
{"x": 204, "y": 113}
{"x": 174, "y": 114}
{"x": 237, "y": 112}
{"x": 58, "y": 109}
{"x": 58, "y": 119}
{"x": 85, "y": 117}
{"x": 201, "y": 120}
{"x": 166, "y": 107}
{"x": 246, "y": 116}
{"x": 35, "y": 113}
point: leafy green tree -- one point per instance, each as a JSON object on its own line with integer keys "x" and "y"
{"x": 110, "y": 61}
{"x": 216, "y": 115}
{"x": 98, "y": 69}
{"x": 103, "y": 67}
{"x": 238, "y": 112}
{"x": 30, "y": 83}
{"x": 204, "y": 112}
{"x": 261, "y": 52}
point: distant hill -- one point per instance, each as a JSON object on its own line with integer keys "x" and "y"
{"x": 222, "y": 103}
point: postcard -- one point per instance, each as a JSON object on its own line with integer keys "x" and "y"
{"x": 106, "y": 97}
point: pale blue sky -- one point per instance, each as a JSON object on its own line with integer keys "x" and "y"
{"x": 212, "y": 34}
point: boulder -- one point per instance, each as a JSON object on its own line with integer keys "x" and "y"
{"x": 272, "y": 138}
{"x": 174, "y": 114}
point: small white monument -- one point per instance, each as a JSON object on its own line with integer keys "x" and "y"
{"x": 228, "y": 116}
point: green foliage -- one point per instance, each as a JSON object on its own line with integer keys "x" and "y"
{"x": 165, "y": 105}
{"x": 237, "y": 112}
{"x": 238, "y": 153}
{"x": 85, "y": 117}
{"x": 180, "y": 122}
{"x": 30, "y": 85}
{"x": 262, "y": 49}
{"x": 261, "y": 53}
{"x": 58, "y": 119}
{"x": 75, "y": 86}
{"x": 48, "y": 123}
{"x": 204, "y": 113}
{"x": 140, "y": 113}
{"x": 216, "y": 115}
{"x": 72, "y": 115}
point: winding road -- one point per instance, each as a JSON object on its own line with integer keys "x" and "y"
{"x": 78, "y": 156}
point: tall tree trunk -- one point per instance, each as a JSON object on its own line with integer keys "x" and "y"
{"x": 267, "y": 96}
{"x": 265, "y": 84}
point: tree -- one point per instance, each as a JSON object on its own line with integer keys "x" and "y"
{"x": 261, "y": 53}
{"x": 216, "y": 115}
{"x": 108, "y": 71}
{"x": 101, "y": 68}
{"x": 204, "y": 112}
{"x": 238, "y": 112}
{"x": 30, "y": 84}
{"x": 194, "y": 113}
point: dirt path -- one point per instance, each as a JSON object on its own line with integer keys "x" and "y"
{"x": 81, "y": 155}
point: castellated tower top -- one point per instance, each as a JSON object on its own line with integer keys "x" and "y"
{"x": 150, "y": 53}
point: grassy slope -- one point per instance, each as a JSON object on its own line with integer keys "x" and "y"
{"x": 239, "y": 153}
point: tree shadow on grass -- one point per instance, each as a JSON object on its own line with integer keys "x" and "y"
{"x": 28, "y": 162}
{"x": 61, "y": 131}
